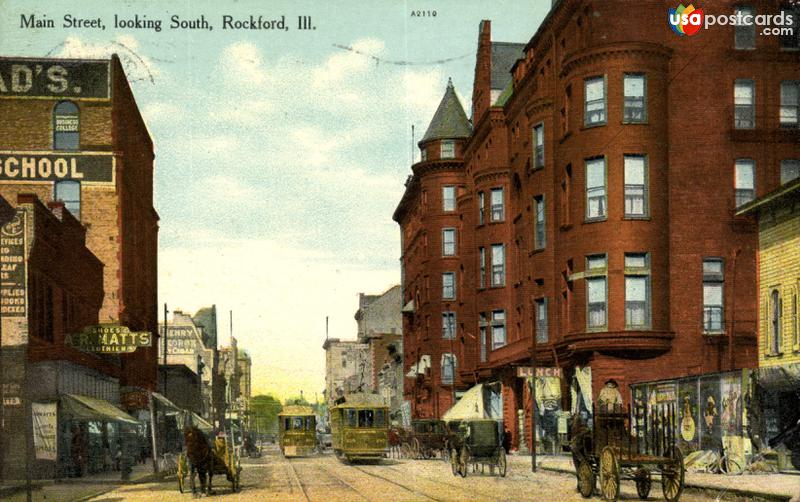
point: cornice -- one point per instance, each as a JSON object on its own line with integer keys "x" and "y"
{"x": 593, "y": 54}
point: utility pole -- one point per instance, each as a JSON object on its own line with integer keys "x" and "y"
{"x": 165, "y": 348}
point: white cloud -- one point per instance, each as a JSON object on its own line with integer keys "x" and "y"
{"x": 158, "y": 111}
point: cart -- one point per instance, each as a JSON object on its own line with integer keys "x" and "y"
{"x": 612, "y": 452}
{"x": 426, "y": 439}
{"x": 479, "y": 443}
{"x": 226, "y": 461}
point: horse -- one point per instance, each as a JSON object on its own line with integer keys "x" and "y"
{"x": 201, "y": 458}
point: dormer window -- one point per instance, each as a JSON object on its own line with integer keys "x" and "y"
{"x": 448, "y": 150}
{"x": 423, "y": 154}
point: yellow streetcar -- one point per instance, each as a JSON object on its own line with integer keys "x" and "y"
{"x": 360, "y": 427}
{"x": 298, "y": 430}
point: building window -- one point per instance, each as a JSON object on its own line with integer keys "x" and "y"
{"x": 790, "y": 170}
{"x": 482, "y": 280}
{"x": 448, "y": 325}
{"x": 635, "y": 98}
{"x": 596, "y": 189}
{"x": 541, "y": 320}
{"x": 745, "y": 34}
{"x": 66, "y": 126}
{"x": 538, "y": 146}
{"x": 791, "y": 39}
{"x": 448, "y": 368}
{"x": 776, "y": 318}
{"x": 539, "y": 227}
{"x": 498, "y": 265}
{"x": 795, "y": 324}
{"x": 498, "y": 204}
{"x": 637, "y": 291}
{"x": 635, "y": 186}
{"x": 69, "y": 192}
{"x": 423, "y": 154}
{"x": 566, "y": 191}
{"x": 595, "y": 101}
{"x": 565, "y": 110}
{"x": 448, "y": 150}
{"x": 790, "y": 103}
{"x": 745, "y": 181}
{"x": 744, "y": 102}
{"x": 713, "y": 280}
{"x": 498, "y": 329}
{"x": 448, "y": 198}
{"x": 448, "y": 242}
{"x": 482, "y": 325}
{"x": 596, "y": 305}
{"x": 448, "y": 285}
{"x": 481, "y": 208}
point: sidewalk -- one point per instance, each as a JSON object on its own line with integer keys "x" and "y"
{"x": 761, "y": 486}
{"x": 74, "y": 489}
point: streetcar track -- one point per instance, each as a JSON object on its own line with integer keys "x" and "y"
{"x": 441, "y": 481}
{"x": 416, "y": 492}
{"x": 297, "y": 479}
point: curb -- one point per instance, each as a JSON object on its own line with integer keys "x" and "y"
{"x": 109, "y": 485}
{"x": 733, "y": 492}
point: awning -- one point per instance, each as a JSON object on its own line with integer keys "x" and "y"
{"x": 408, "y": 307}
{"x": 92, "y": 409}
{"x": 420, "y": 367}
{"x": 200, "y": 423}
{"x": 170, "y": 408}
{"x": 781, "y": 378}
{"x": 470, "y": 406}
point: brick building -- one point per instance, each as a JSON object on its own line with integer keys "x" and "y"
{"x": 72, "y": 131}
{"x": 590, "y": 210}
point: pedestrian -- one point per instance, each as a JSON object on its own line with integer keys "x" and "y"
{"x": 506, "y": 439}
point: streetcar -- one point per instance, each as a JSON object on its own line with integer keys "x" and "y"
{"x": 297, "y": 431}
{"x": 360, "y": 427}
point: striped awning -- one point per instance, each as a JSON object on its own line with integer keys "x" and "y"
{"x": 93, "y": 409}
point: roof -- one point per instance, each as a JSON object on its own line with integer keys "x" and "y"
{"x": 362, "y": 400}
{"x": 450, "y": 121}
{"x": 296, "y": 410}
{"x": 787, "y": 191}
{"x": 504, "y": 55}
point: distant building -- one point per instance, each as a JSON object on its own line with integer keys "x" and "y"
{"x": 380, "y": 326}
{"x": 245, "y": 367}
{"x": 347, "y": 368}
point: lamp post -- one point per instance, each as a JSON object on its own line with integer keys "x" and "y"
{"x": 533, "y": 389}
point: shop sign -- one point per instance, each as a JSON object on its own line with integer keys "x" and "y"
{"x": 525, "y": 371}
{"x": 12, "y": 267}
{"x": 44, "y": 430}
{"x": 49, "y": 78}
{"x": 109, "y": 339}
{"x": 25, "y": 166}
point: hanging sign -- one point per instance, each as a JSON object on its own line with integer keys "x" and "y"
{"x": 109, "y": 339}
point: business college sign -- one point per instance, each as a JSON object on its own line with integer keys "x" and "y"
{"x": 24, "y": 166}
{"x": 54, "y": 78}
{"x": 109, "y": 339}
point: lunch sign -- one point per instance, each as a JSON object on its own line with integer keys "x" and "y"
{"x": 109, "y": 339}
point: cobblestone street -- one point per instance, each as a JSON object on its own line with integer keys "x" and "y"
{"x": 324, "y": 478}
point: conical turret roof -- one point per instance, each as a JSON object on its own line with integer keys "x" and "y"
{"x": 449, "y": 121}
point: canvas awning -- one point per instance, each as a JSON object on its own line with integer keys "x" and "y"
{"x": 470, "y": 406}
{"x": 419, "y": 367}
{"x": 88, "y": 408}
{"x": 200, "y": 423}
{"x": 781, "y": 378}
{"x": 408, "y": 307}
{"x": 170, "y": 408}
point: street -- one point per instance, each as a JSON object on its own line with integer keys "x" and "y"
{"x": 324, "y": 478}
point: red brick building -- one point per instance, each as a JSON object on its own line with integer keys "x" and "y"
{"x": 72, "y": 131}
{"x": 622, "y": 151}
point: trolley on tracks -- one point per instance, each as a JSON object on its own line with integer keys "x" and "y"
{"x": 612, "y": 452}
{"x": 360, "y": 427}
{"x": 297, "y": 431}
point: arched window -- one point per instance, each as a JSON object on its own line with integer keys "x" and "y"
{"x": 66, "y": 126}
{"x": 69, "y": 192}
{"x": 776, "y": 322}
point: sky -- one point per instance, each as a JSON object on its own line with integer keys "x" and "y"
{"x": 280, "y": 155}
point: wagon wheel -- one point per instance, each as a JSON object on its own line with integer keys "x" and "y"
{"x": 609, "y": 474}
{"x": 502, "y": 465}
{"x": 463, "y": 458}
{"x": 415, "y": 446}
{"x": 454, "y": 462}
{"x": 643, "y": 482}
{"x": 672, "y": 478}
{"x": 586, "y": 479}
{"x": 182, "y": 468}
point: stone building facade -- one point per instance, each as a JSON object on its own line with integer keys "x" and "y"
{"x": 599, "y": 188}
{"x": 347, "y": 368}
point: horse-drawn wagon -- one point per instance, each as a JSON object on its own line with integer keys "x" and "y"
{"x": 207, "y": 460}
{"x": 612, "y": 451}
{"x": 478, "y": 442}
